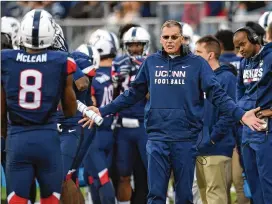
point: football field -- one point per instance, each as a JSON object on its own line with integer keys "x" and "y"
{"x": 87, "y": 201}
{"x": 84, "y": 191}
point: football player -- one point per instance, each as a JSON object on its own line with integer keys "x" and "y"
{"x": 130, "y": 136}
{"x": 34, "y": 80}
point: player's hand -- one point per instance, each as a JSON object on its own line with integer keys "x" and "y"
{"x": 264, "y": 113}
{"x": 117, "y": 80}
{"x": 125, "y": 70}
{"x": 250, "y": 119}
{"x": 88, "y": 121}
{"x": 137, "y": 61}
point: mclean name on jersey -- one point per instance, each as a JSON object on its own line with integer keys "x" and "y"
{"x": 31, "y": 58}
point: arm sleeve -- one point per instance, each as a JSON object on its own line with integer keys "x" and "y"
{"x": 71, "y": 65}
{"x": 225, "y": 123}
{"x": 216, "y": 95}
{"x": 86, "y": 66}
{"x": 85, "y": 63}
{"x": 77, "y": 74}
{"x": 137, "y": 91}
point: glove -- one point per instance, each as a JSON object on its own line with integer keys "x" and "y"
{"x": 137, "y": 61}
{"x": 125, "y": 70}
{"x": 118, "y": 79}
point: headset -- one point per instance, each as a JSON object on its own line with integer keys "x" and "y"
{"x": 251, "y": 35}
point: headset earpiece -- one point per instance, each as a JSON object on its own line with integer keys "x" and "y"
{"x": 251, "y": 35}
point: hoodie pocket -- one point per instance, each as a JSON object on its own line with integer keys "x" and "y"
{"x": 204, "y": 141}
{"x": 246, "y": 103}
{"x": 167, "y": 119}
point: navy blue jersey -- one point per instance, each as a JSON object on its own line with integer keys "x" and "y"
{"x": 34, "y": 84}
{"x": 102, "y": 89}
{"x": 132, "y": 65}
{"x": 85, "y": 64}
{"x": 84, "y": 67}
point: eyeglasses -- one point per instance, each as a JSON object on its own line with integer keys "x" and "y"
{"x": 173, "y": 37}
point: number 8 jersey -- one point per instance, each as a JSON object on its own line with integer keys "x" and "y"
{"x": 34, "y": 84}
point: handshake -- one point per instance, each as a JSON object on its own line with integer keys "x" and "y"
{"x": 92, "y": 115}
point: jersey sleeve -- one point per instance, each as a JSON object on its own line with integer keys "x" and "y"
{"x": 89, "y": 71}
{"x": 78, "y": 74}
{"x": 85, "y": 63}
{"x": 71, "y": 65}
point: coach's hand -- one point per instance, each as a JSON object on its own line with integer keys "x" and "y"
{"x": 250, "y": 119}
{"x": 88, "y": 121}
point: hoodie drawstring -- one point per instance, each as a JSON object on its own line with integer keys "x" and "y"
{"x": 170, "y": 69}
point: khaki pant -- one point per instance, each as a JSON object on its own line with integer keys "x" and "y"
{"x": 213, "y": 178}
{"x": 195, "y": 190}
{"x": 237, "y": 179}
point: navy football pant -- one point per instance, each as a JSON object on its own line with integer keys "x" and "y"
{"x": 164, "y": 157}
{"x": 128, "y": 140}
{"x": 97, "y": 164}
{"x": 83, "y": 147}
{"x": 139, "y": 195}
{"x": 3, "y": 162}
{"x": 69, "y": 138}
{"x": 257, "y": 162}
{"x": 34, "y": 154}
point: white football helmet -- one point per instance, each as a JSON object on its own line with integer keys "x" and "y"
{"x": 6, "y": 28}
{"x": 92, "y": 52}
{"x": 187, "y": 32}
{"x": 137, "y": 34}
{"x": 37, "y": 30}
{"x": 6, "y": 23}
{"x": 194, "y": 40}
{"x": 105, "y": 48}
{"x": 106, "y": 35}
{"x": 265, "y": 19}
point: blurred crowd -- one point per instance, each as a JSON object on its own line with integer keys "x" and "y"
{"x": 125, "y": 11}
{"x": 78, "y": 9}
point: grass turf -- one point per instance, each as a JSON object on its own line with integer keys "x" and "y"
{"x": 3, "y": 195}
